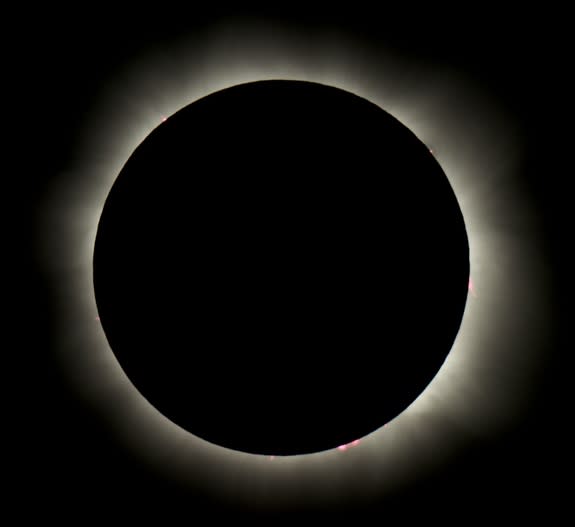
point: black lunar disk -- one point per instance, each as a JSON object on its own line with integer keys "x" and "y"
{"x": 281, "y": 267}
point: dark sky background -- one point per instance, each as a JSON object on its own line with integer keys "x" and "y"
{"x": 70, "y": 467}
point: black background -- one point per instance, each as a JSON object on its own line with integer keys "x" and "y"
{"x": 66, "y": 463}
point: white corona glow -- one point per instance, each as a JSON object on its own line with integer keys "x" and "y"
{"x": 476, "y": 391}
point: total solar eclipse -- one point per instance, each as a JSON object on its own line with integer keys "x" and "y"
{"x": 281, "y": 267}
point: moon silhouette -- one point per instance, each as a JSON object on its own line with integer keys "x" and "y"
{"x": 281, "y": 267}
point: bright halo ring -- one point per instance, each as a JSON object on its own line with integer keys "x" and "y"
{"x": 481, "y": 387}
